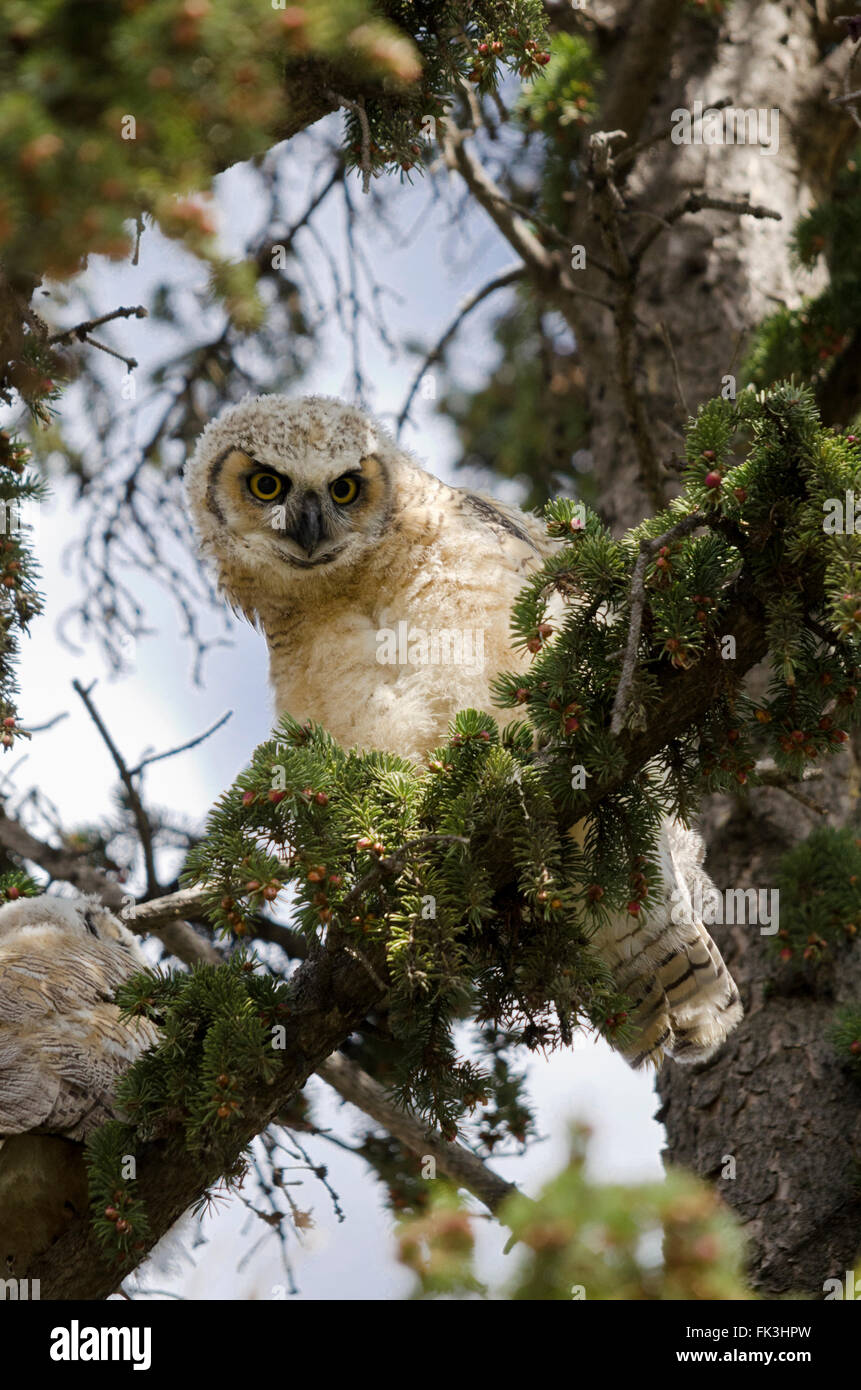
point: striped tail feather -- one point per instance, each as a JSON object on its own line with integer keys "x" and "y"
{"x": 685, "y": 1002}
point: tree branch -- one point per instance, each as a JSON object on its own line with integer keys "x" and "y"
{"x": 160, "y": 917}
{"x": 648, "y": 548}
{"x": 698, "y": 201}
{"x": 507, "y": 277}
{"x": 456, "y": 1162}
{"x": 81, "y": 331}
{"x": 329, "y": 998}
{"x": 182, "y": 747}
{"x": 145, "y": 833}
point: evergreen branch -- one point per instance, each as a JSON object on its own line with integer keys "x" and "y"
{"x": 328, "y": 999}
{"x": 358, "y": 109}
{"x": 350, "y": 1081}
{"x": 456, "y": 1162}
{"x": 648, "y": 548}
{"x": 686, "y": 696}
{"x": 388, "y": 866}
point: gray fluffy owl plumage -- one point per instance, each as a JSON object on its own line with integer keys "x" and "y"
{"x": 63, "y": 1048}
{"x": 335, "y": 541}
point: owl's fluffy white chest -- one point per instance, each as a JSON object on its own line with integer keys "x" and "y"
{"x": 391, "y": 668}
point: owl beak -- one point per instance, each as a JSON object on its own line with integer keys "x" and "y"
{"x": 309, "y": 527}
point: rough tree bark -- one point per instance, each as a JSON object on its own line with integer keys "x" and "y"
{"x": 775, "y": 1098}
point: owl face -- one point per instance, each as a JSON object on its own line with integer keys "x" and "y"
{"x": 289, "y": 491}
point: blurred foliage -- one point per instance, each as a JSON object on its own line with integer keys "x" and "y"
{"x": 810, "y": 341}
{"x": 111, "y": 112}
{"x": 585, "y": 1240}
{"x": 819, "y": 882}
{"x": 560, "y": 105}
{"x": 529, "y": 418}
{"x": 846, "y": 1037}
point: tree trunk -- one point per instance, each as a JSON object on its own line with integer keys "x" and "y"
{"x": 776, "y": 1098}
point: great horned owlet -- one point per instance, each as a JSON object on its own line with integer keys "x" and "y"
{"x": 354, "y": 561}
{"x": 63, "y": 1048}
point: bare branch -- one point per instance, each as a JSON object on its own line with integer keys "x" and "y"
{"x": 456, "y": 1162}
{"x": 492, "y": 199}
{"x": 697, "y": 201}
{"x": 499, "y": 282}
{"x": 161, "y": 916}
{"x": 358, "y": 107}
{"x": 81, "y": 331}
{"x": 849, "y": 97}
{"x": 182, "y": 748}
{"x": 675, "y": 361}
{"x": 145, "y": 832}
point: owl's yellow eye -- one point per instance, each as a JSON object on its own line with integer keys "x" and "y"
{"x": 265, "y": 486}
{"x": 344, "y": 490}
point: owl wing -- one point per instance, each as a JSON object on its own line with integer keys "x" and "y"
{"x": 685, "y": 1002}
{"x": 522, "y": 537}
{"x": 508, "y": 521}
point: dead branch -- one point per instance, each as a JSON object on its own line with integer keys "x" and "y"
{"x": 507, "y": 277}
{"x": 145, "y": 830}
{"x": 456, "y": 1162}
